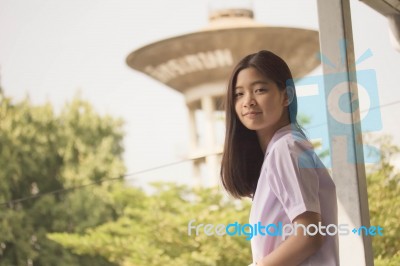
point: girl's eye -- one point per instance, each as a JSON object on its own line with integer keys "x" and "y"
{"x": 261, "y": 90}
{"x": 237, "y": 94}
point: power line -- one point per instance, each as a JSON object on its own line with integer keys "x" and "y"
{"x": 63, "y": 190}
{"x": 383, "y": 105}
{"x": 362, "y": 111}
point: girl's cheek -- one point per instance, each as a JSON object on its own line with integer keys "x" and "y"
{"x": 237, "y": 107}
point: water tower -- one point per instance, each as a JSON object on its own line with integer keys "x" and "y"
{"x": 198, "y": 65}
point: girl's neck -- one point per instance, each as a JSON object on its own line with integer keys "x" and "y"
{"x": 265, "y": 135}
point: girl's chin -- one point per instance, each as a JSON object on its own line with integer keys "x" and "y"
{"x": 256, "y": 126}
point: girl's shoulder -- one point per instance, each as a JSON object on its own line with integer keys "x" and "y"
{"x": 291, "y": 141}
{"x": 293, "y": 148}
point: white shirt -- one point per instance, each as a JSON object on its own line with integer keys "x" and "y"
{"x": 293, "y": 180}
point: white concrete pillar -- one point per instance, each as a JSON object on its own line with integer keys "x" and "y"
{"x": 348, "y": 168}
{"x": 194, "y": 143}
{"x": 192, "y": 128}
{"x": 208, "y": 107}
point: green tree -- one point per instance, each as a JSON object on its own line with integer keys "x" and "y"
{"x": 153, "y": 229}
{"x": 384, "y": 204}
{"x": 41, "y": 152}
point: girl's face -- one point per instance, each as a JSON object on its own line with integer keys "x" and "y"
{"x": 259, "y": 104}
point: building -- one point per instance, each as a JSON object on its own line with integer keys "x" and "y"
{"x": 198, "y": 65}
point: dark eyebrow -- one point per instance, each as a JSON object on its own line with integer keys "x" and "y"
{"x": 255, "y": 83}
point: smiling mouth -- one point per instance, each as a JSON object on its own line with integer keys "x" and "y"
{"x": 251, "y": 114}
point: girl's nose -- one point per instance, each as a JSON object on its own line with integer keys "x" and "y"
{"x": 249, "y": 101}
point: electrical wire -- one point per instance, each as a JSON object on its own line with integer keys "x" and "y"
{"x": 122, "y": 177}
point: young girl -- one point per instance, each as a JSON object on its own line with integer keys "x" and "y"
{"x": 267, "y": 157}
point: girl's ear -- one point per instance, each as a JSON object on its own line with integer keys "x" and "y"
{"x": 289, "y": 95}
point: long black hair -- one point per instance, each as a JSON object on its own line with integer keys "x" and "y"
{"x": 242, "y": 156}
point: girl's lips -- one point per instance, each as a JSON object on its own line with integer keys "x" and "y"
{"x": 252, "y": 114}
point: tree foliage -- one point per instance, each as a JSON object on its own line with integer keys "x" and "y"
{"x": 41, "y": 152}
{"x": 153, "y": 229}
{"x": 384, "y": 203}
